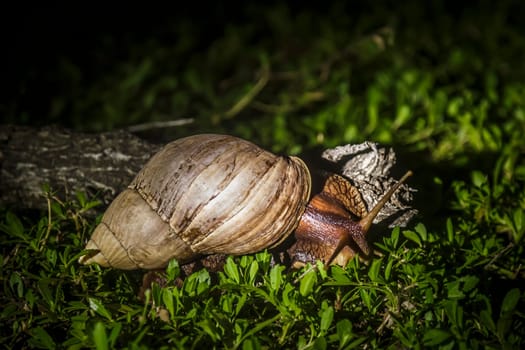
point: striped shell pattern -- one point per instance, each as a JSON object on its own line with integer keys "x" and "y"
{"x": 200, "y": 195}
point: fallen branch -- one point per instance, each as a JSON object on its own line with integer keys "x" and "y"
{"x": 99, "y": 164}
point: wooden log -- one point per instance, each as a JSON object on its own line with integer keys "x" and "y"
{"x": 101, "y": 164}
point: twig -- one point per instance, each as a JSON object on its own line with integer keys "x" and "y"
{"x": 246, "y": 99}
{"x": 43, "y": 241}
{"x": 381, "y": 39}
{"x": 311, "y": 268}
{"x": 159, "y": 125}
{"x": 498, "y": 255}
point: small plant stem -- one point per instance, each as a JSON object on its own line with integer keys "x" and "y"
{"x": 246, "y": 99}
{"x": 49, "y": 224}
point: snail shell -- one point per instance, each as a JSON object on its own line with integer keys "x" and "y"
{"x": 200, "y": 195}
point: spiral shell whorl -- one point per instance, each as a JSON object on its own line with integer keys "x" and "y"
{"x": 134, "y": 237}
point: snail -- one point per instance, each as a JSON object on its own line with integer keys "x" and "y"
{"x": 218, "y": 194}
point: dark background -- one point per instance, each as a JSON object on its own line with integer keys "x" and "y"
{"x": 95, "y": 37}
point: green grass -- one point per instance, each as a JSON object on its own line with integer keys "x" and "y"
{"x": 455, "y": 286}
{"x": 447, "y": 92}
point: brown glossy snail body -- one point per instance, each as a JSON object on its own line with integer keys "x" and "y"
{"x": 208, "y": 194}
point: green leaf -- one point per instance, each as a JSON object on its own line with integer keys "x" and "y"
{"x": 478, "y": 178}
{"x": 251, "y": 344}
{"x": 241, "y": 301}
{"x": 450, "y": 230}
{"x": 91, "y": 204}
{"x": 45, "y": 292}
{"x": 210, "y": 328}
{"x": 355, "y": 344}
{"x": 114, "y": 335}
{"x": 469, "y": 283}
{"x": 421, "y": 231}
{"x": 173, "y": 270}
{"x": 81, "y": 198}
{"x": 203, "y": 281}
{"x": 403, "y": 115}
{"x": 14, "y": 226}
{"x": 16, "y": 284}
{"x": 231, "y": 270}
{"x": 395, "y": 237}
{"x": 307, "y": 283}
{"x": 340, "y": 275}
{"x": 97, "y": 306}
{"x": 41, "y": 339}
{"x": 373, "y": 271}
{"x": 100, "y": 337}
{"x": 321, "y": 269}
{"x": 518, "y": 224}
{"x": 327, "y": 317}
{"x": 227, "y": 304}
{"x": 388, "y": 269}
{"x": 58, "y": 210}
{"x": 320, "y": 343}
{"x": 510, "y": 301}
{"x": 454, "y": 312}
{"x": 276, "y": 277}
{"x": 261, "y": 325}
{"x": 411, "y": 235}
{"x": 365, "y": 296}
{"x": 167, "y": 299}
{"x": 264, "y": 259}
{"x": 254, "y": 269}
{"x": 435, "y": 336}
{"x": 344, "y": 332}
{"x": 487, "y": 320}
{"x": 197, "y": 283}
{"x": 503, "y": 326}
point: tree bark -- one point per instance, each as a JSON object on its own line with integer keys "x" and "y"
{"x": 102, "y": 164}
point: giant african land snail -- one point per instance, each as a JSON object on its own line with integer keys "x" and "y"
{"x": 209, "y": 194}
